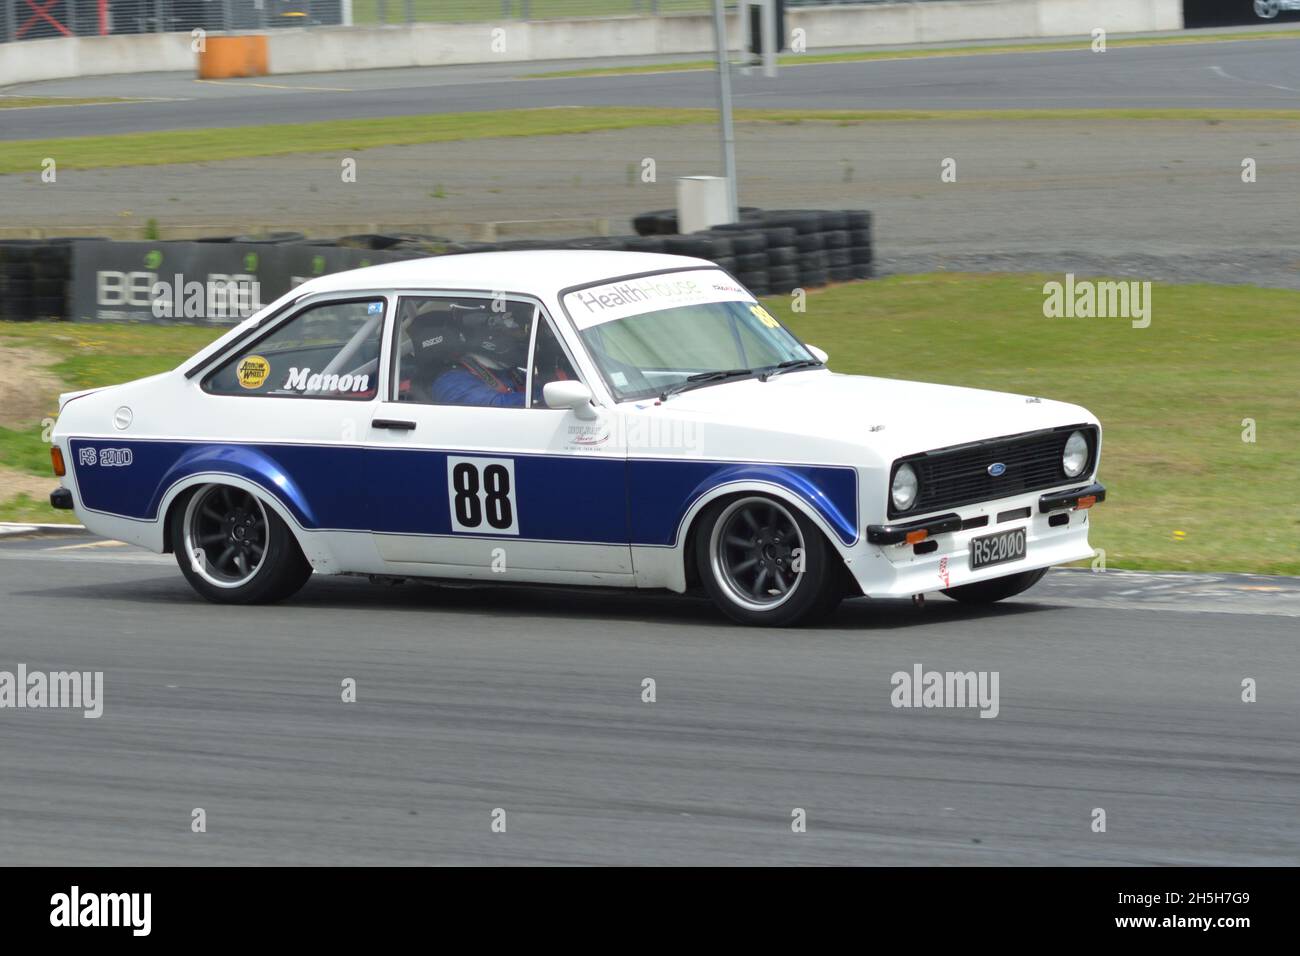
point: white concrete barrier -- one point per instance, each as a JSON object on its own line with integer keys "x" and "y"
{"x": 327, "y": 49}
{"x": 27, "y": 61}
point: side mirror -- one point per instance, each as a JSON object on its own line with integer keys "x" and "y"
{"x": 818, "y": 354}
{"x": 571, "y": 395}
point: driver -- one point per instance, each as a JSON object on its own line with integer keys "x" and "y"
{"x": 487, "y": 371}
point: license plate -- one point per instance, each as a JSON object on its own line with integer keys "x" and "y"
{"x": 997, "y": 548}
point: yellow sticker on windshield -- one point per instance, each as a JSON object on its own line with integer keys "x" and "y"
{"x": 764, "y": 316}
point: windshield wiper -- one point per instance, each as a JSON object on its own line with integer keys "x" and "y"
{"x": 703, "y": 378}
{"x": 776, "y": 370}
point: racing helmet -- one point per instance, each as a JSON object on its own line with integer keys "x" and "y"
{"x": 498, "y": 335}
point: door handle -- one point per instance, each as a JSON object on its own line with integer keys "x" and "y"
{"x": 392, "y": 423}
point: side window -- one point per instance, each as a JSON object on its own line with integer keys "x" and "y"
{"x": 550, "y": 363}
{"x": 462, "y": 351}
{"x": 329, "y": 350}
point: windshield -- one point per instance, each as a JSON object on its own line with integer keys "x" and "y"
{"x": 650, "y": 334}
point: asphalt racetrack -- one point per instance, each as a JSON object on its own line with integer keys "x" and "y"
{"x": 1117, "y": 691}
{"x": 1252, "y": 74}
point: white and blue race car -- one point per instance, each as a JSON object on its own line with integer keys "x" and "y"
{"x": 571, "y": 417}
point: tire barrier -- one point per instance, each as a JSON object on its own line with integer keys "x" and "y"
{"x": 770, "y": 251}
{"x": 775, "y": 250}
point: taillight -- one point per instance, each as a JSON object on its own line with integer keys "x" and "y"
{"x": 56, "y": 458}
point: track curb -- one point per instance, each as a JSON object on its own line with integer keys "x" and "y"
{"x": 18, "y": 529}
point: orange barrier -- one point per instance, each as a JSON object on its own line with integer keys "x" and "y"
{"x": 224, "y": 57}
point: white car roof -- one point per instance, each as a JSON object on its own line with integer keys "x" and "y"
{"x": 539, "y": 272}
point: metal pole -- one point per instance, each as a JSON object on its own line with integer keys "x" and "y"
{"x": 769, "y": 37}
{"x": 410, "y": 11}
{"x": 724, "y": 110}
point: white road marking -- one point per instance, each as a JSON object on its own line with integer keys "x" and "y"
{"x": 89, "y": 544}
{"x": 1220, "y": 71}
{"x": 280, "y": 86}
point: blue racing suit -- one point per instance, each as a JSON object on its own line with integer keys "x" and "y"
{"x": 474, "y": 384}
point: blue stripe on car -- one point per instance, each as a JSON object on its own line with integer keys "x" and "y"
{"x": 404, "y": 490}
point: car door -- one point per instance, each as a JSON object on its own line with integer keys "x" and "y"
{"x": 475, "y": 476}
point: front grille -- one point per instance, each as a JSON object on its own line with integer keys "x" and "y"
{"x": 951, "y": 477}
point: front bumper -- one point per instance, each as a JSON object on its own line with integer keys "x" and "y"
{"x": 933, "y": 553}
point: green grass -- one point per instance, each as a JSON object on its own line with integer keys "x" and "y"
{"x": 1171, "y": 397}
{"x": 84, "y": 356}
{"x": 30, "y": 102}
{"x": 857, "y": 56}
{"x": 348, "y": 136}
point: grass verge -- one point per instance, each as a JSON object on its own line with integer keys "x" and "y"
{"x": 347, "y": 136}
{"x": 1187, "y": 493}
{"x": 858, "y": 56}
{"x": 81, "y": 356}
{"x": 35, "y": 102}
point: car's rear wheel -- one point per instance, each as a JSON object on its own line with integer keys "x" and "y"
{"x": 986, "y": 592}
{"x": 1267, "y": 9}
{"x": 764, "y": 563}
{"x": 235, "y": 550}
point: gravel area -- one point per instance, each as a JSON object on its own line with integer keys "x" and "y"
{"x": 1153, "y": 199}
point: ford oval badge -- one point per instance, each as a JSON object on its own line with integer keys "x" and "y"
{"x": 997, "y": 469}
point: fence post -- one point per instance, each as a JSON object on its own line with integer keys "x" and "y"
{"x": 523, "y": 9}
{"x": 158, "y": 16}
{"x": 11, "y": 28}
{"x": 383, "y": 11}
{"x": 410, "y": 11}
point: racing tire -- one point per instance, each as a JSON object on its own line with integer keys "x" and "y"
{"x": 745, "y": 243}
{"x": 801, "y": 220}
{"x": 752, "y": 527}
{"x": 986, "y": 592}
{"x": 1267, "y": 9}
{"x": 813, "y": 278}
{"x": 233, "y": 549}
{"x": 782, "y": 256}
{"x": 650, "y": 243}
{"x": 752, "y": 262}
{"x": 808, "y": 242}
{"x": 659, "y": 222}
{"x": 835, "y": 239}
{"x": 782, "y": 279}
{"x": 756, "y": 281}
{"x": 858, "y": 218}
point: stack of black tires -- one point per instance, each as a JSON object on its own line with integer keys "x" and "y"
{"x": 775, "y": 250}
{"x": 34, "y": 276}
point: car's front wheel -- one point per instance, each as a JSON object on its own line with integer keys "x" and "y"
{"x": 986, "y": 592}
{"x": 765, "y": 563}
{"x": 1267, "y": 9}
{"x": 235, "y": 550}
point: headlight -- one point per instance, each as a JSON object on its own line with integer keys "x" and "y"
{"x": 904, "y": 489}
{"x": 1075, "y": 458}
